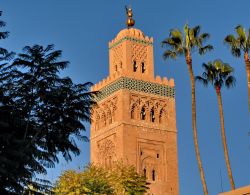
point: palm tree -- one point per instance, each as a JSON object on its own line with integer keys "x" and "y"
{"x": 240, "y": 44}
{"x": 219, "y": 74}
{"x": 179, "y": 44}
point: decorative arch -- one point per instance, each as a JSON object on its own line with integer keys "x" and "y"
{"x": 143, "y": 113}
{"x": 108, "y": 153}
{"x": 150, "y": 168}
{"x": 109, "y": 116}
{"x": 152, "y": 115}
{"x": 162, "y": 116}
{"x": 134, "y": 111}
{"x": 143, "y": 67}
{"x": 103, "y": 119}
{"x": 112, "y": 108}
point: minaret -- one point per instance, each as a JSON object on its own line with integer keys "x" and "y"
{"x": 134, "y": 119}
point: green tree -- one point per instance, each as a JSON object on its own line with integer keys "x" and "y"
{"x": 183, "y": 44}
{"x": 118, "y": 179}
{"x": 93, "y": 180}
{"x": 127, "y": 181}
{"x": 238, "y": 45}
{"x": 49, "y": 113}
{"x": 4, "y": 54}
{"x": 219, "y": 74}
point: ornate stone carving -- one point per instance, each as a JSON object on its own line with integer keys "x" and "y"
{"x": 117, "y": 57}
{"x": 107, "y": 152}
{"x": 104, "y": 114}
{"x": 139, "y": 53}
{"x": 156, "y": 109}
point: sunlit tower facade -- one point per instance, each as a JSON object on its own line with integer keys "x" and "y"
{"x": 134, "y": 119}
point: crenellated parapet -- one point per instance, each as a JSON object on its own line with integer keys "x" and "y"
{"x": 110, "y": 79}
{"x": 131, "y": 34}
{"x": 159, "y": 86}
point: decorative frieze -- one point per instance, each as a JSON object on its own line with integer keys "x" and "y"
{"x": 131, "y": 39}
{"x": 138, "y": 86}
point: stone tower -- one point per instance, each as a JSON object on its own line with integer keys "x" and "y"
{"x": 134, "y": 119}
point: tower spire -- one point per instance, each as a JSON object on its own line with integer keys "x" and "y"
{"x": 130, "y": 21}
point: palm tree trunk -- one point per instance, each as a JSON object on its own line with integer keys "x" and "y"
{"x": 224, "y": 140}
{"x": 195, "y": 137}
{"x": 247, "y": 62}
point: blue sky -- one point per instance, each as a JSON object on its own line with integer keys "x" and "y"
{"x": 82, "y": 30}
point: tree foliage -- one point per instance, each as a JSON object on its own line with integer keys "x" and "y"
{"x": 43, "y": 114}
{"x": 179, "y": 44}
{"x": 218, "y": 74}
{"x": 238, "y": 43}
{"x": 118, "y": 179}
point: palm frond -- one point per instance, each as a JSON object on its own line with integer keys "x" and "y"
{"x": 49, "y": 48}
{"x": 169, "y": 54}
{"x": 234, "y": 45}
{"x": 203, "y": 50}
{"x": 4, "y": 35}
{"x": 218, "y": 74}
{"x": 202, "y": 80}
{"x": 2, "y": 23}
{"x": 201, "y": 39}
{"x": 176, "y": 33}
{"x": 248, "y": 40}
{"x": 241, "y": 33}
{"x": 230, "y": 81}
{"x": 196, "y": 31}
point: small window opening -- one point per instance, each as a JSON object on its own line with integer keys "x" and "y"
{"x": 144, "y": 172}
{"x": 115, "y": 67}
{"x": 135, "y": 66}
{"x": 152, "y": 115}
{"x": 121, "y": 65}
{"x": 143, "y": 69}
{"x": 132, "y": 113}
{"x": 158, "y": 156}
{"x": 143, "y": 114}
{"x": 161, "y": 116}
{"x": 141, "y": 153}
{"x": 153, "y": 175}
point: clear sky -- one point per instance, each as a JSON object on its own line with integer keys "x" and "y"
{"x": 82, "y": 30}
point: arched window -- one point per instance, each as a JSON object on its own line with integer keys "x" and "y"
{"x": 145, "y": 172}
{"x": 152, "y": 115}
{"x": 121, "y": 64}
{"x": 143, "y": 113}
{"x": 143, "y": 68}
{"x": 153, "y": 175}
{"x": 115, "y": 67}
{"x": 162, "y": 116}
{"x": 133, "y": 113}
{"x": 135, "y": 66}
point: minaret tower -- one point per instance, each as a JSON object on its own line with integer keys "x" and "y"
{"x": 134, "y": 119}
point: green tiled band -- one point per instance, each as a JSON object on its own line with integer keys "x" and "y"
{"x": 131, "y": 39}
{"x": 136, "y": 85}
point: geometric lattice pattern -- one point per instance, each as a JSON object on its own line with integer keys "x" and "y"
{"x": 131, "y": 39}
{"x": 139, "y": 52}
{"x": 136, "y": 85}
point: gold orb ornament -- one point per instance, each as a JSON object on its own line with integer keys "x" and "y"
{"x": 130, "y": 20}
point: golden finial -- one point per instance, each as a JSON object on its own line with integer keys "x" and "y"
{"x": 130, "y": 20}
